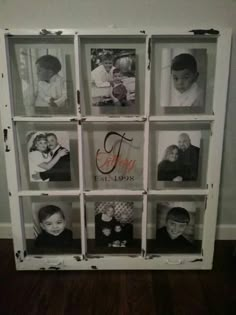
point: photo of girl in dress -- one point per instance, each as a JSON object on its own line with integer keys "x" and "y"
{"x": 48, "y": 156}
{"x": 113, "y": 77}
{"x": 52, "y": 225}
{"x": 178, "y": 156}
{"x": 183, "y": 77}
{"x": 175, "y": 226}
{"x": 113, "y": 224}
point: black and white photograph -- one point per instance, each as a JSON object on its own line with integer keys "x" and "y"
{"x": 113, "y": 224}
{"x": 183, "y": 77}
{"x": 175, "y": 226}
{"x": 178, "y": 156}
{"x": 48, "y": 156}
{"x": 45, "y": 81}
{"x": 113, "y": 77}
{"x": 52, "y": 225}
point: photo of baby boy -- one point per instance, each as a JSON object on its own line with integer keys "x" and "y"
{"x": 51, "y": 226}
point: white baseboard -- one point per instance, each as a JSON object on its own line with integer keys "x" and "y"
{"x": 223, "y": 231}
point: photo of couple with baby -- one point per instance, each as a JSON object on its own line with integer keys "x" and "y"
{"x": 113, "y": 77}
{"x": 179, "y": 162}
{"x": 113, "y": 224}
{"x": 49, "y": 156}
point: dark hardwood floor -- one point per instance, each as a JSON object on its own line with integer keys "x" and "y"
{"x": 119, "y": 292}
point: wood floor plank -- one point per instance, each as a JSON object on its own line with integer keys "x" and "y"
{"x": 187, "y": 297}
{"x": 119, "y": 292}
{"x": 137, "y": 294}
{"x": 162, "y": 293}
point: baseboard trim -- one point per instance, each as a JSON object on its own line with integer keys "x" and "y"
{"x": 223, "y": 231}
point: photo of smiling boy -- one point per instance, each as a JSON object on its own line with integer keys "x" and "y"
{"x": 170, "y": 237}
{"x": 54, "y": 233}
{"x": 184, "y": 72}
{"x": 102, "y": 74}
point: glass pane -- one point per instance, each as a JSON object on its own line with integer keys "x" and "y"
{"x": 179, "y": 156}
{"x": 114, "y": 225}
{"x": 183, "y": 71}
{"x": 175, "y": 224}
{"x": 52, "y": 224}
{"x": 48, "y": 155}
{"x": 42, "y": 75}
{"x": 113, "y": 155}
{"x": 112, "y": 75}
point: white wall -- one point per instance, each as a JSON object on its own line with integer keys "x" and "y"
{"x": 138, "y": 14}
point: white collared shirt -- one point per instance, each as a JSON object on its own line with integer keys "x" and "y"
{"x": 100, "y": 77}
{"x": 191, "y": 97}
{"x": 55, "y": 88}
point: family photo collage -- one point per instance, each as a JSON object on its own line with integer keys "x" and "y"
{"x": 112, "y": 85}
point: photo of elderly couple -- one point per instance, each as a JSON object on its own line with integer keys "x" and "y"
{"x": 48, "y": 156}
{"x": 178, "y": 156}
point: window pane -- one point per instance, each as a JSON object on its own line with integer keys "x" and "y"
{"x": 42, "y": 74}
{"x": 105, "y": 92}
{"x": 114, "y": 225}
{"x": 52, "y": 225}
{"x": 175, "y": 224}
{"x": 113, "y": 155}
{"x": 179, "y": 155}
{"x": 48, "y": 155}
{"x": 183, "y": 71}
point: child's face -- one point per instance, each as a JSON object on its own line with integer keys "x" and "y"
{"x": 106, "y": 232}
{"x": 117, "y": 77}
{"x": 107, "y": 65}
{"x": 174, "y": 228}
{"x": 42, "y": 145}
{"x": 173, "y": 155}
{"x": 44, "y": 74}
{"x": 183, "y": 79}
{"x": 52, "y": 142}
{"x": 54, "y": 225}
{"x": 117, "y": 229}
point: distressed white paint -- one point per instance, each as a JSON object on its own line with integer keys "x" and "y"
{"x": 110, "y": 262}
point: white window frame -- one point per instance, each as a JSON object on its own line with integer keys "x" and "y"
{"x": 203, "y": 260}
